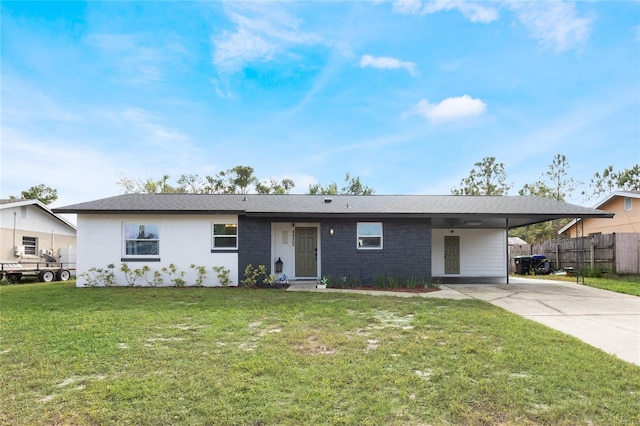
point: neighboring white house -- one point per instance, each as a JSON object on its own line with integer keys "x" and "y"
{"x": 28, "y": 227}
{"x": 450, "y": 238}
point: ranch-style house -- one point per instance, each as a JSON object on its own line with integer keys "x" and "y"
{"x": 305, "y": 237}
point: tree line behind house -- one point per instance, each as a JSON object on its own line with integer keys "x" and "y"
{"x": 487, "y": 177}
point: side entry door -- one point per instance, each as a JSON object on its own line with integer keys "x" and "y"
{"x": 452, "y": 254}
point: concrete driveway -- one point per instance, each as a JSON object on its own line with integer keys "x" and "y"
{"x": 604, "y": 319}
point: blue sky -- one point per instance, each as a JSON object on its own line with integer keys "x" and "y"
{"x": 406, "y": 95}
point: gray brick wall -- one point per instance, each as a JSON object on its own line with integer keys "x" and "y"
{"x": 406, "y": 249}
{"x": 254, "y": 243}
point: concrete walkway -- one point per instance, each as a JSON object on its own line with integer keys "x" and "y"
{"x": 606, "y": 320}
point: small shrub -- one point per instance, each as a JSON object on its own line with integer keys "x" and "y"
{"x": 131, "y": 275}
{"x": 351, "y": 282}
{"x": 396, "y": 282}
{"x": 412, "y": 282}
{"x": 223, "y": 275}
{"x": 258, "y": 277}
{"x": 176, "y": 277}
{"x": 379, "y": 281}
{"x": 333, "y": 282}
{"x": 253, "y": 276}
{"x": 432, "y": 283}
{"x": 202, "y": 274}
{"x": 99, "y": 277}
{"x": 89, "y": 277}
{"x": 345, "y": 282}
{"x": 269, "y": 280}
{"x": 250, "y": 276}
{"x": 156, "y": 278}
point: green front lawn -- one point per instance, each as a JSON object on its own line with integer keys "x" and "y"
{"x": 192, "y": 356}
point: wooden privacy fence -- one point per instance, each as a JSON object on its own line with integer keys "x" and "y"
{"x": 617, "y": 253}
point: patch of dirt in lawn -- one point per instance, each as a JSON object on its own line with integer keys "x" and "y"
{"x": 372, "y": 344}
{"x": 425, "y": 374}
{"x": 80, "y": 383}
{"x": 386, "y": 319}
{"x": 189, "y": 327}
{"x": 312, "y": 345}
{"x": 261, "y": 330}
{"x": 164, "y": 339}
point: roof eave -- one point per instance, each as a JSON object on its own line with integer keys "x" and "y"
{"x": 40, "y": 205}
{"x": 611, "y": 196}
{"x": 146, "y": 211}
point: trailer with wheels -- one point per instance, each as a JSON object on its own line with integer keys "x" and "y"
{"x": 44, "y": 271}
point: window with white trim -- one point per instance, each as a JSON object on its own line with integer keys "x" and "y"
{"x": 225, "y": 236}
{"x": 370, "y": 235}
{"x": 141, "y": 239}
{"x": 627, "y": 204}
{"x": 30, "y": 246}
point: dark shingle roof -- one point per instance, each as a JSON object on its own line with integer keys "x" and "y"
{"x": 520, "y": 210}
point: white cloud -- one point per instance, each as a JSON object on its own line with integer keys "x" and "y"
{"x": 86, "y": 164}
{"x": 555, "y": 24}
{"x": 407, "y": 7}
{"x": 234, "y": 50}
{"x": 79, "y": 171}
{"x": 25, "y": 102}
{"x": 152, "y": 132}
{"x": 451, "y": 108}
{"x": 475, "y": 12}
{"x": 263, "y": 31}
{"x": 136, "y": 58}
{"x": 383, "y": 62}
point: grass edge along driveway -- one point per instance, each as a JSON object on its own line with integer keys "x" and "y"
{"x": 626, "y": 284}
{"x": 260, "y": 357}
